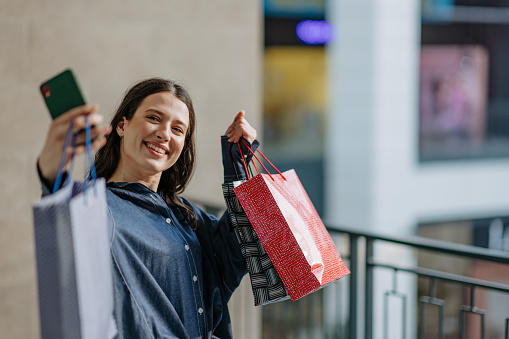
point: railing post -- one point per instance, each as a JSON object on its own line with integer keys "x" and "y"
{"x": 354, "y": 286}
{"x": 369, "y": 290}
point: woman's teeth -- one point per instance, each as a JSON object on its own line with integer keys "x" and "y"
{"x": 157, "y": 149}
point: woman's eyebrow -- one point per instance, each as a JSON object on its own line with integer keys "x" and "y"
{"x": 154, "y": 110}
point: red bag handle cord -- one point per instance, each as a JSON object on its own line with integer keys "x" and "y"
{"x": 264, "y": 157}
{"x": 254, "y": 163}
{"x": 244, "y": 162}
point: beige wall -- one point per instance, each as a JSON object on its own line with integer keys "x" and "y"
{"x": 213, "y": 47}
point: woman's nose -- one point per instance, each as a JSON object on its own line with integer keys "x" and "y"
{"x": 163, "y": 133}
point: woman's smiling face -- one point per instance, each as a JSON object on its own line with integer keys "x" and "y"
{"x": 154, "y": 137}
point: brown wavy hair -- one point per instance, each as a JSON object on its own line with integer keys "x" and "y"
{"x": 173, "y": 180}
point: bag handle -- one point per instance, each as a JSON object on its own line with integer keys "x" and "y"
{"x": 264, "y": 157}
{"x": 88, "y": 156}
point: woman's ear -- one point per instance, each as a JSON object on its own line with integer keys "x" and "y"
{"x": 120, "y": 127}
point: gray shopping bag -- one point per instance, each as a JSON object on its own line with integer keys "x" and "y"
{"x": 74, "y": 262}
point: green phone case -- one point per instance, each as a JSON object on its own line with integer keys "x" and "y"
{"x": 61, "y": 93}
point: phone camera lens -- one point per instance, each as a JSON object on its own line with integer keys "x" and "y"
{"x": 46, "y": 91}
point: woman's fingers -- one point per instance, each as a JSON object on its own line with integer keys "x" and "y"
{"x": 79, "y": 123}
{"x": 96, "y": 144}
{"x": 96, "y": 132}
{"x": 58, "y": 128}
{"x": 238, "y": 117}
{"x": 75, "y": 112}
{"x": 240, "y": 128}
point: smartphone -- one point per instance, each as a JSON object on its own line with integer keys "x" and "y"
{"x": 61, "y": 93}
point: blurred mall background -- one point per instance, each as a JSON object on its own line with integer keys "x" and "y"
{"x": 394, "y": 113}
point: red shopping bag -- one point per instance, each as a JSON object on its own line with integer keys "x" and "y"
{"x": 291, "y": 232}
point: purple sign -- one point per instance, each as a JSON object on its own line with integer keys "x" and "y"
{"x": 314, "y": 32}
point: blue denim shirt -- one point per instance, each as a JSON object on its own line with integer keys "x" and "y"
{"x": 170, "y": 281}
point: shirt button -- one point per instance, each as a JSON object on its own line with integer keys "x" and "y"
{"x": 200, "y": 310}
{"x": 195, "y": 278}
{"x": 168, "y": 220}
{"x": 186, "y": 247}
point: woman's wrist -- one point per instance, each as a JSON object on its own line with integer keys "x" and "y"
{"x": 43, "y": 178}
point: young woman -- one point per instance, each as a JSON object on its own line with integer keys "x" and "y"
{"x": 174, "y": 266}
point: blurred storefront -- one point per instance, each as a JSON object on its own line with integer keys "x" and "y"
{"x": 464, "y": 83}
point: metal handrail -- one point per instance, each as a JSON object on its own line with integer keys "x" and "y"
{"x": 441, "y": 246}
{"x": 426, "y": 272}
{"x": 436, "y": 246}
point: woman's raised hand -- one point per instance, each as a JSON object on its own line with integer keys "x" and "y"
{"x": 240, "y": 128}
{"x": 49, "y": 159}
